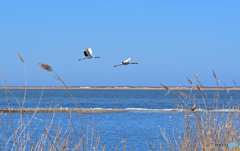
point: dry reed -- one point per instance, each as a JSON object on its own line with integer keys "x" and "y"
{"x": 202, "y": 130}
{"x": 45, "y": 67}
{"x": 21, "y": 135}
{"x": 20, "y": 57}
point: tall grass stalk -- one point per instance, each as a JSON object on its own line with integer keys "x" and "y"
{"x": 10, "y": 117}
{"x": 50, "y": 69}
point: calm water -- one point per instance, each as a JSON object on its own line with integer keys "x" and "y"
{"x": 135, "y": 126}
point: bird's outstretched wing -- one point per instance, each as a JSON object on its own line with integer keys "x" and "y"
{"x": 126, "y": 61}
{"x": 90, "y": 51}
{"x": 82, "y": 58}
{"x": 86, "y": 52}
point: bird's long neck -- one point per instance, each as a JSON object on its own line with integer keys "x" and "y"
{"x": 97, "y": 57}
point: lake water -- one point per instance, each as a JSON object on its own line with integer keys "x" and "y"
{"x": 136, "y": 127}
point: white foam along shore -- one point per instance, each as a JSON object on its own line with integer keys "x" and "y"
{"x": 111, "y": 110}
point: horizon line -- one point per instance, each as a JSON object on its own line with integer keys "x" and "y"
{"x": 124, "y": 87}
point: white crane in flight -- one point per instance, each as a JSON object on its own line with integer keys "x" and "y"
{"x": 126, "y": 62}
{"x": 88, "y": 54}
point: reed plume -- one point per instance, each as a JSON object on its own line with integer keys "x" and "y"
{"x": 188, "y": 80}
{"x": 183, "y": 94}
{"x": 45, "y": 67}
{"x": 20, "y": 57}
{"x": 234, "y": 82}
{"x": 165, "y": 87}
{"x": 199, "y": 89}
{"x": 175, "y": 102}
{"x": 198, "y": 80}
{"x": 214, "y": 74}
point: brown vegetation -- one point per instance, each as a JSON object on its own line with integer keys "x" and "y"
{"x": 202, "y": 131}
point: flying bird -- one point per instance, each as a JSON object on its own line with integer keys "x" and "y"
{"x": 126, "y": 62}
{"x": 88, "y": 54}
{"x": 193, "y": 108}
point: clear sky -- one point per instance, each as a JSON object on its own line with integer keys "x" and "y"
{"x": 170, "y": 40}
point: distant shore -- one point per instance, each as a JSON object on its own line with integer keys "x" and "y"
{"x": 120, "y": 87}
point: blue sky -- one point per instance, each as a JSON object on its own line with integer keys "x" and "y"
{"x": 170, "y": 40}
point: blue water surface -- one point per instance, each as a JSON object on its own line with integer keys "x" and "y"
{"x": 140, "y": 129}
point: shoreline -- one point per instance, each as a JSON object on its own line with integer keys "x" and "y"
{"x": 92, "y": 111}
{"x": 119, "y": 87}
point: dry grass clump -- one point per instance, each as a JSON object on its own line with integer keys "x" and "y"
{"x": 206, "y": 130}
{"x": 22, "y": 138}
{"x": 52, "y": 137}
